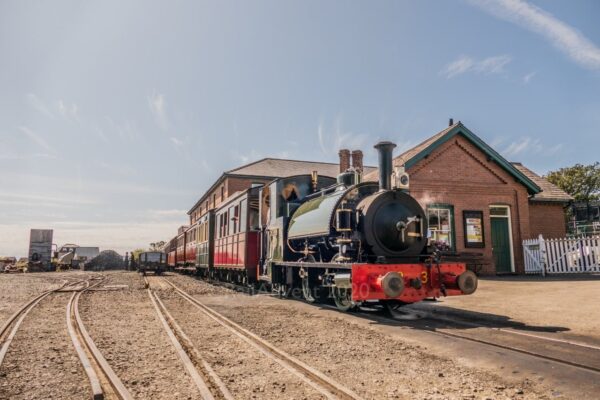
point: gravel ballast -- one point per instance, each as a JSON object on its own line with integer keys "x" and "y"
{"x": 41, "y": 362}
{"x": 124, "y": 325}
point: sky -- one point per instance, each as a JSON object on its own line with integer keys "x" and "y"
{"x": 115, "y": 117}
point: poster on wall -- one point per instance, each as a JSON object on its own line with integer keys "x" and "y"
{"x": 473, "y": 225}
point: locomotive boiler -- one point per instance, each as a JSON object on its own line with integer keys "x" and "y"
{"x": 359, "y": 241}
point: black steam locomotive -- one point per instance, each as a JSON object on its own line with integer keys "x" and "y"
{"x": 342, "y": 238}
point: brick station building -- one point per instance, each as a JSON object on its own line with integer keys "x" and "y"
{"x": 478, "y": 202}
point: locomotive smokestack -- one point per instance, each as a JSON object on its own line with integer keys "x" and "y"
{"x": 385, "y": 150}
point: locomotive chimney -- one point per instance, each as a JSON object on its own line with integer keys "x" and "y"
{"x": 385, "y": 150}
{"x": 357, "y": 160}
{"x": 344, "y": 160}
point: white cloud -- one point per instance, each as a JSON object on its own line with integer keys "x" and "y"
{"x": 17, "y": 156}
{"x": 339, "y": 138}
{"x": 158, "y": 107}
{"x": 563, "y": 36}
{"x": 528, "y": 145}
{"x": 175, "y": 141}
{"x": 486, "y": 66}
{"x": 39, "y": 105}
{"x": 527, "y": 78}
{"x": 37, "y": 139}
{"x": 68, "y": 111}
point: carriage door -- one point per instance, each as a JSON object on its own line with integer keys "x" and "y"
{"x": 502, "y": 247}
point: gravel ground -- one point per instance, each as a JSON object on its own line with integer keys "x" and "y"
{"x": 198, "y": 287}
{"x": 372, "y": 364}
{"x": 41, "y": 362}
{"x": 18, "y": 289}
{"x": 126, "y": 329}
{"x": 247, "y": 373}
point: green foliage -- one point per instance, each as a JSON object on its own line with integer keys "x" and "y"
{"x": 136, "y": 253}
{"x": 580, "y": 181}
{"x": 157, "y": 246}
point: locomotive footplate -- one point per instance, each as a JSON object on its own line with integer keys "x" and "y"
{"x": 347, "y": 266}
{"x": 410, "y": 283}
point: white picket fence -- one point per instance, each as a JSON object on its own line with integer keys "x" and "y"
{"x": 562, "y": 256}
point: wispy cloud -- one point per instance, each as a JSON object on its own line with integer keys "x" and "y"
{"x": 18, "y": 156}
{"x": 486, "y": 66}
{"x": 37, "y": 139}
{"x": 337, "y": 137}
{"x": 39, "y": 105}
{"x": 527, "y": 78}
{"x": 158, "y": 107}
{"x": 563, "y": 36}
{"x": 177, "y": 142}
{"x": 528, "y": 145}
{"x": 68, "y": 111}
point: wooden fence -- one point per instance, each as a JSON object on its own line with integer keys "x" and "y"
{"x": 562, "y": 256}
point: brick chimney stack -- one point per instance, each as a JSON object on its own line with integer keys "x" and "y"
{"x": 344, "y": 159}
{"x": 357, "y": 160}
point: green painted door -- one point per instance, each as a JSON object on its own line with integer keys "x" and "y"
{"x": 501, "y": 245}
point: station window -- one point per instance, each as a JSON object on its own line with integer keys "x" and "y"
{"x": 441, "y": 225}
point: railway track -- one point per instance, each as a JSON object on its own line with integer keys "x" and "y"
{"x": 313, "y": 378}
{"x": 17, "y": 318}
{"x": 104, "y": 384}
{"x": 561, "y": 351}
{"x": 576, "y": 354}
{"x": 209, "y": 385}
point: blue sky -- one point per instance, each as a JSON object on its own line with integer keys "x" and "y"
{"x": 116, "y": 116}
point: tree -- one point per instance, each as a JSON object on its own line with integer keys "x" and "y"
{"x": 136, "y": 253}
{"x": 580, "y": 181}
{"x": 157, "y": 246}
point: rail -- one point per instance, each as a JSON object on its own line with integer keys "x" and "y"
{"x": 314, "y": 378}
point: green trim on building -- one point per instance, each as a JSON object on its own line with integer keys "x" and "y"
{"x": 460, "y": 129}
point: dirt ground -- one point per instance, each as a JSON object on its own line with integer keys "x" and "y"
{"x": 377, "y": 361}
{"x": 41, "y": 362}
{"x": 18, "y": 289}
{"x": 569, "y": 304}
{"x": 125, "y": 327}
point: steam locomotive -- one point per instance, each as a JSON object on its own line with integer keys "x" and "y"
{"x": 344, "y": 239}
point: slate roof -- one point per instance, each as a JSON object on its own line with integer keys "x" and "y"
{"x": 273, "y": 168}
{"x": 279, "y": 168}
{"x": 550, "y": 192}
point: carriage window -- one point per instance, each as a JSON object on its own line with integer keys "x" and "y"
{"x": 441, "y": 225}
{"x": 231, "y": 221}
{"x": 243, "y": 207}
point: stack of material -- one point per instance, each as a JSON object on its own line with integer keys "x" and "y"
{"x": 107, "y": 259}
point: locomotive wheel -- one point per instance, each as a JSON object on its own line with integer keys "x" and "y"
{"x": 343, "y": 299}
